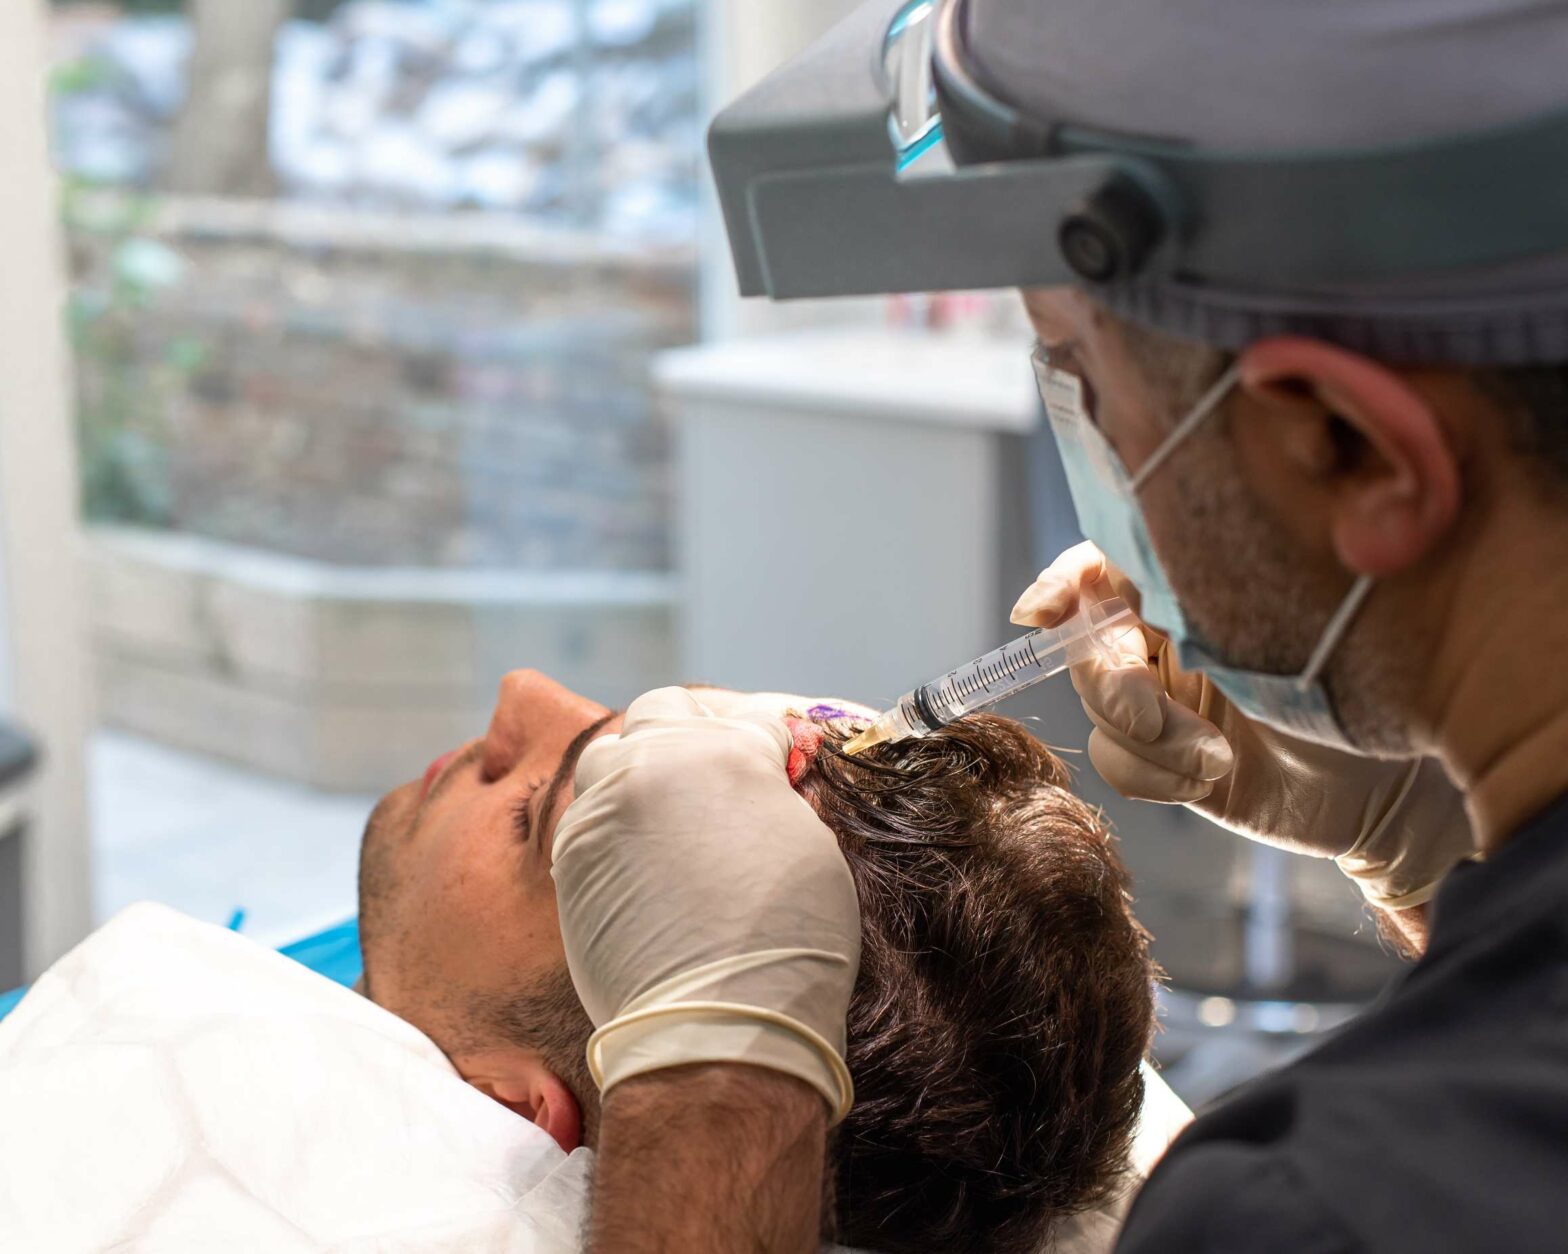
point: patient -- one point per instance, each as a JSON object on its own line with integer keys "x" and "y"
{"x": 1005, "y": 996}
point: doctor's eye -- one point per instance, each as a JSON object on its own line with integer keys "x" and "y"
{"x": 1063, "y": 357}
{"x": 1059, "y": 356}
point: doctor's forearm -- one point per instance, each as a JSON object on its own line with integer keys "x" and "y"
{"x": 1406, "y": 930}
{"x": 711, "y": 1159}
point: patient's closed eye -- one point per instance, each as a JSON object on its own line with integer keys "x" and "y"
{"x": 522, "y": 812}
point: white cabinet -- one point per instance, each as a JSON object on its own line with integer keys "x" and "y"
{"x": 839, "y": 503}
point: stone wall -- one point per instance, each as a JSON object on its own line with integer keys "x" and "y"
{"x": 348, "y": 678}
{"x": 439, "y": 390}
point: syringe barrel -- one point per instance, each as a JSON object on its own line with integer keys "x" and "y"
{"x": 1017, "y": 665}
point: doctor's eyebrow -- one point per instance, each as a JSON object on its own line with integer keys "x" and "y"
{"x": 568, "y": 767}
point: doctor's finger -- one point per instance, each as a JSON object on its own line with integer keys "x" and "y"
{"x": 768, "y": 731}
{"x": 1079, "y": 573}
{"x": 597, "y": 760}
{"x": 661, "y": 707}
{"x": 1188, "y": 746}
{"x": 1123, "y": 689}
{"x": 1138, "y": 778}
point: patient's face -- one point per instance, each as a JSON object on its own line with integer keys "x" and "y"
{"x": 457, "y": 903}
{"x": 1001, "y": 968}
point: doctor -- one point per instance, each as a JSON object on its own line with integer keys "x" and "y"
{"x": 1299, "y": 275}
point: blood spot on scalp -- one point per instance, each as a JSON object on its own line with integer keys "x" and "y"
{"x": 805, "y": 742}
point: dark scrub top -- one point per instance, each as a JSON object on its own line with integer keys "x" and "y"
{"x": 1436, "y": 1123}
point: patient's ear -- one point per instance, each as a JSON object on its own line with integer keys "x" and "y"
{"x": 523, "y": 1084}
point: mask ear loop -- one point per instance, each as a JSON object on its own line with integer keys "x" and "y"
{"x": 1207, "y": 404}
{"x": 1336, "y": 628}
{"x": 1286, "y": 356}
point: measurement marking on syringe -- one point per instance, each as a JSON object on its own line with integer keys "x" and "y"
{"x": 1007, "y": 670}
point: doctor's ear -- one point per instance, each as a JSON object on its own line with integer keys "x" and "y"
{"x": 1375, "y": 450}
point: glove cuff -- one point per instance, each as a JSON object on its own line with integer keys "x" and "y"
{"x": 1424, "y": 832}
{"x": 1377, "y": 894}
{"x": 673, "y": 1035}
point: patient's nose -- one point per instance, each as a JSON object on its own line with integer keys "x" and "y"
{"x": 534, "y": 716}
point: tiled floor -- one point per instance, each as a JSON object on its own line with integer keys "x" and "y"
{"x": 210, "y": 839}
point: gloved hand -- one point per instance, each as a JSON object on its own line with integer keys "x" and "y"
{"x": 707, "y": 912}
{"x": 1164, "y": 734}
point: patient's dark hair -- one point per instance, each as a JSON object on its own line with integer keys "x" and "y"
{"x": 1004, "y": 1001}
{"x": 1005, "y": 996}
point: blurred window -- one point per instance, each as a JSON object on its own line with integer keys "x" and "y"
{"x": 363, "y": 298}
{"x": 378, "y": 283}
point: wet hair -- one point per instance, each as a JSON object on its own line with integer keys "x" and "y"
{"x": 1005, "y": 995}
{"x": 1003, "y": 1005}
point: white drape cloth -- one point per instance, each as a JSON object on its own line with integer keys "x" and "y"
{"x": 171, "y": 1086}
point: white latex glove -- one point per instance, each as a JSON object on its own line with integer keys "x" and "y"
{"x": 1163, "y": 734}
{"x": 707, "y": 912}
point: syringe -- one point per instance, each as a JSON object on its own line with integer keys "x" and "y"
{"x": 998, "y": 674}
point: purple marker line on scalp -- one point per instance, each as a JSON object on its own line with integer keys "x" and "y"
{"x": 832, "y": 711}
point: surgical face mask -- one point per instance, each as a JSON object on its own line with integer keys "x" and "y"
{"x": 1106, "y": 499}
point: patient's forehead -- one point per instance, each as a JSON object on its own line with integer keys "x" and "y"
{"x": 726, "y": 702}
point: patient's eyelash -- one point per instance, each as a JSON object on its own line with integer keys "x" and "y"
{"x": 522, "y": 816}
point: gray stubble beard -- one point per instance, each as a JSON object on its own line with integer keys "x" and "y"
{"x": 1248, "y": 591}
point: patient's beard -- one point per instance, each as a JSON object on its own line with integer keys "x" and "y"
{"x": 542, "y": 1015}
{"x": 377, "y": 871}
{"x": 546, "y": 1017}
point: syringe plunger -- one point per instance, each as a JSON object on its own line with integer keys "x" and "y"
{"x": 997, "y": 675}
